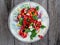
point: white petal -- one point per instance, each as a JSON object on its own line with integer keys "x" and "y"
{"x": 39, "y": 19}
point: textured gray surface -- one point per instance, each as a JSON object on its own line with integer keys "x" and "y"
{"x": 51, "y": 38}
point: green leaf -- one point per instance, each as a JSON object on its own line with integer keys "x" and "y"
{"x": 21, "y": 21}
{"x": 35, "y": 17}
{"x": 37, "y": 8}
{"x": 33, "y": 34}
{"x": 28, "y": 7}
{"x": 27, "y": 30}
{"x": 33, "y": 31}
{"x": 43, "y": 26}
{"x": 31, "y": 37}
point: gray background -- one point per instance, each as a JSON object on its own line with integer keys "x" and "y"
{"x": 51, "y": 38}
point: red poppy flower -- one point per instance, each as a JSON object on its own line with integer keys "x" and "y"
{"x": 37, "y": 24}
{"x": 22, "y": 33}
{"x": 25, "y": 23}
{"x": 30, "y": 19}
{"x": 32, "y": 11}
{"x": 23, "y": 11}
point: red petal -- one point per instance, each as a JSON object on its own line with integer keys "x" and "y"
{"x": 22, "y": 34}
{"x": 18, "y": 17}
{"x": 37, "y": 24}
{"x": 40, "y": 36}
{"x": 25, "y": 16}
{"x": 32, "y": 9}
{"x": 22, "y": 11}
